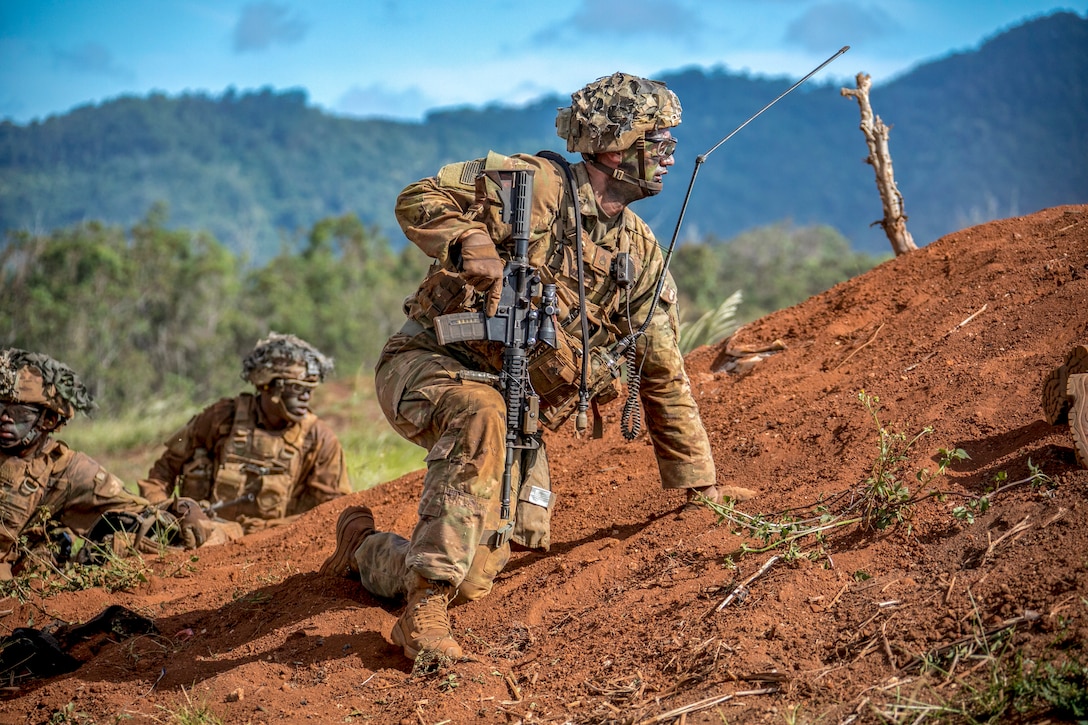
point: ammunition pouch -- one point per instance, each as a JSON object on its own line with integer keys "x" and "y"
{"x": 196, "y": 476}
{"x": 445, "y": 291}
{"x": 555, "y": 374}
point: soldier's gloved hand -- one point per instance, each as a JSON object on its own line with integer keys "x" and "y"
{"x": 195, "y": 524}
{"x": 188, "y": 510}
{"x": 483, "y": 267}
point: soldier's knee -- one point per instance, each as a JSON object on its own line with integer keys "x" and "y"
{"x": 486, "y": 565}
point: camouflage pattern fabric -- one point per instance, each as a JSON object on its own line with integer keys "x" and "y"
{"x": 31, "y": 377}
{"x": 303, "y": 464}
{"x": 57, "y": 486}
{"x": 462, "y": 424}
{"x": 612, "y": 112}
{"x": 287, "y": 357}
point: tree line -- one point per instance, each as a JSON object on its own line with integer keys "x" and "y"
{"x": 154, "y": 312}
{"x": 989, "y": 133}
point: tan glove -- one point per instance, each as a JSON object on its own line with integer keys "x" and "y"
{"x": 483, "y": 268}
{"x": 195, "y": 524}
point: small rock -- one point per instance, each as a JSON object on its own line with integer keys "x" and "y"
{"x": 237, "y": 696}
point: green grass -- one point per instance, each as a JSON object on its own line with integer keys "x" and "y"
{"x": 375, "y": 452}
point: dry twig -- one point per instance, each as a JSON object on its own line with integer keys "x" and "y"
{"x": 741, "y": 589}
{"x": 862, "y": 346}
{"x": 702, "y": 705}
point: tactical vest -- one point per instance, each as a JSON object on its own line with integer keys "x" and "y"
{"x": 23, "y": 485}
{"x": 554, "y": 373}
{"x": 264, "y": 463}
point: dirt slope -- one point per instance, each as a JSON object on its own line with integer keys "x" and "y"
{"x": 618, "y": 623}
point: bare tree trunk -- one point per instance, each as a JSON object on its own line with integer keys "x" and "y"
{"x": 876, "y": 137}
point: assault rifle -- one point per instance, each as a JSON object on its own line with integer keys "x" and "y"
{"x": 518, "y": 324}
{"x": 244, "y": 498}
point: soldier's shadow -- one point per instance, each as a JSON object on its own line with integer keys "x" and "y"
{"x": 269, "y": 624}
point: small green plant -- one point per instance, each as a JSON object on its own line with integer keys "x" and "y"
{"x": 68, "y": 715}
{"x": 712, "y": 327}
{"x": 883, "y": 499}
{"x": 40, "y": 573}
{"x": 449, "y": 683}
{"x": 977, "y": 505}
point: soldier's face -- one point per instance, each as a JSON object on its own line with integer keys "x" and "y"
{"x": 296, "y": 398}
{"x": 16, "y": 422}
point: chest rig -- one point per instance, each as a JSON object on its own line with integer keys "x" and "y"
{"x": 258, "y": 468}
{"x": 24, "y": 484}
{"x": 608, "y": 265}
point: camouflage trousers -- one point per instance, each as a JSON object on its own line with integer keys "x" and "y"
{"x": 462, "y": 424}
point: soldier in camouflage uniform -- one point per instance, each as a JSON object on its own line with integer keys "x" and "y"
{"x": 621, "y": 126}
{"x": 259, "y": 460}
{"x": 51, "y": 496}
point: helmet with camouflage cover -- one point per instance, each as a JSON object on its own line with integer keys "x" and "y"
{"x": 285, "y": 357}
{"x": 613, "y": 112}
{"x": 36, "y": 379}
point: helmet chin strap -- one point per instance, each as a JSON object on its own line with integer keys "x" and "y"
{"x": 648, "y": 188}
{"x": 274, "y": 396}
{"x": 33, "y": 435}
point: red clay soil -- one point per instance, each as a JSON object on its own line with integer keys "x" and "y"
{"x": 620, "y": 622}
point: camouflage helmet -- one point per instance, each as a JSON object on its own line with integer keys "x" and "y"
{"x": 610, "y": 113}
{"x": 37, "y": 379}
{"x": 287, "y": 357}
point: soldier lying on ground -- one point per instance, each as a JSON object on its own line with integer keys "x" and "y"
{"x": 621, "y": 126}
{"x": 258, "y": 459}
{"x": 56, "y": 503}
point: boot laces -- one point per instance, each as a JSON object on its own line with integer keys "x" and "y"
{"x": 431, "y": 613}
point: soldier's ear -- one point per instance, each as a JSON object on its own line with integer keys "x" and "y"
{"x": 50, "y": 421}
{"x": 611, "y": 159}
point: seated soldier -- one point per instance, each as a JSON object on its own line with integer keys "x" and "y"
{"x": 258, "y": 459}
{"x": 53, "y": 498}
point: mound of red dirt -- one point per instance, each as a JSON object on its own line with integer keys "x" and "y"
{"x": 620, "y": 622}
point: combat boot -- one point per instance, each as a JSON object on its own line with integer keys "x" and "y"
{"x": 355, "y": 524}
{"x": 1077, "y": 392}
{"x": 425, "y": 624}
{"x": 1055, "y": 398}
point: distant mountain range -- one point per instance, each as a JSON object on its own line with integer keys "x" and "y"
{"x": 995, "y": 132}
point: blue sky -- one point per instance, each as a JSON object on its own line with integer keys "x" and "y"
{"x": 382, "y": 58}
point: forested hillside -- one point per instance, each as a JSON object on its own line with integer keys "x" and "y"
{"x": 993, "y": 132}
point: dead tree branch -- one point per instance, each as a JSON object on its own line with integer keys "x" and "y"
{"x": 876, "y": 137}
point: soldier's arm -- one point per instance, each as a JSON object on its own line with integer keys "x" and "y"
{"x": 670, "y": 413}
{"x": 88, "y": 491}
{"x": 434, "y": 215}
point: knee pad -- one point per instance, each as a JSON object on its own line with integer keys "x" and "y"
{"x": 486, "y": 565}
